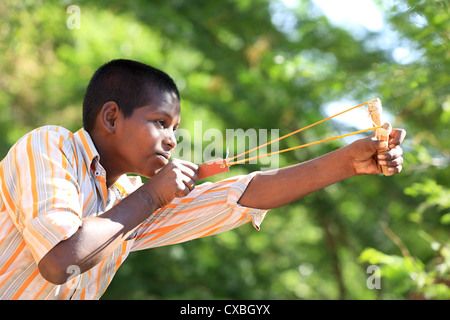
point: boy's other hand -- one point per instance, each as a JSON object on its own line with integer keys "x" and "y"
{"x": 175, "y": 180}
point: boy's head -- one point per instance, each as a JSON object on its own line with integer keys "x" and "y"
{"x": 130, "y": 84}
{"x": 132, "y": 111}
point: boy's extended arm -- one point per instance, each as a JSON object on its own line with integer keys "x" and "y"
{"x": 282, "y": 186}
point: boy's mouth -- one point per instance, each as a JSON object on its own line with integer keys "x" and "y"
{"x": 163, "y": 156}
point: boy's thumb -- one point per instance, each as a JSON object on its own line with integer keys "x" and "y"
{"x": 379, "y": 145}
{"x": 375, "y": 145}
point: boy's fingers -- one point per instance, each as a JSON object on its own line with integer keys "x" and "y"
{"x": 397, "y": 136}
{"x": 394, "y": 153}
{"x": 391, "y": 163}
{"x": 396, "y": 169}
{"x": 185, "y": 163}
{"x": 188, "y": 168}
{"x": 190, "y": 185}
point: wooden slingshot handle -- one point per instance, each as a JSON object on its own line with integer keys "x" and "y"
{"x": 382, "y": 133}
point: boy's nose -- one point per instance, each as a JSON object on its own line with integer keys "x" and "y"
{"x": 170, "y": 139}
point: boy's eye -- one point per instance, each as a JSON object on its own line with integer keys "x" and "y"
{"x": 163, "y": 124}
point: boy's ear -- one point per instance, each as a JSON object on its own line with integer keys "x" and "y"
{"x": 109, "y": 114}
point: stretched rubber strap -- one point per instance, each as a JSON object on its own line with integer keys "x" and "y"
{"x": 301, "y": 146}
{"x": 297, "y": 131}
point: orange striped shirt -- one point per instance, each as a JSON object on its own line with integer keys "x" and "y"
{"x": 52, "y": 179}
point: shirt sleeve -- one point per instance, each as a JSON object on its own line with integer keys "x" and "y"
{"x": 211, "y": 208}
{"x": 40, "y": 176}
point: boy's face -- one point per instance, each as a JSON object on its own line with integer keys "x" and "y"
{"x": 146, "y": 139}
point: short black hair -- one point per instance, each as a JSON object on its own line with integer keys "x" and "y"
{"x": 130, "y": 84}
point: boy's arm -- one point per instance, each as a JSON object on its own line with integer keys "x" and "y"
{"x": 99, "y": 236}
{"x": 282, "y": 186}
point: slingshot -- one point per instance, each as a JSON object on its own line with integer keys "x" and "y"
{"x": 382, "y": 132}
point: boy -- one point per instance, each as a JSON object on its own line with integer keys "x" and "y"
{"x": 69, "y": 215}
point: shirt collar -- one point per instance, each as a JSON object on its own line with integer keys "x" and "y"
{"x": 90, "y": 154}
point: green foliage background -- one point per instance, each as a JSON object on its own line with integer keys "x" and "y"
{"x": 262, "y": 64}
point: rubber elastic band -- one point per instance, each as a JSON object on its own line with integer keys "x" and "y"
{"x": 301, "y": 146}
{"x": 296, "y": 131}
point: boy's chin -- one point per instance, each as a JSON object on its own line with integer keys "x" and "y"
{"x": 152, "y": 172}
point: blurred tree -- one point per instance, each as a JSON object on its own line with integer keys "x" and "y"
{"x": 261, "y": 64}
